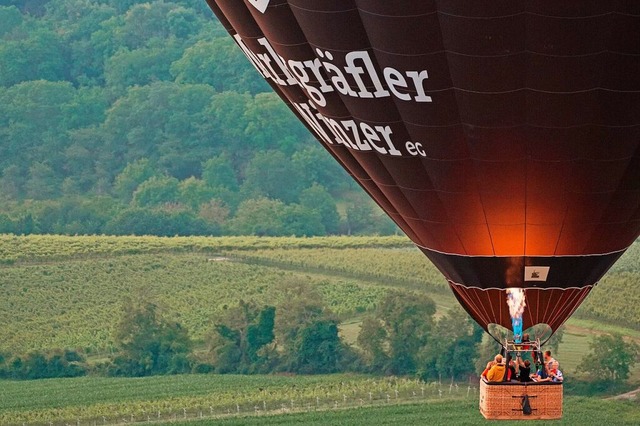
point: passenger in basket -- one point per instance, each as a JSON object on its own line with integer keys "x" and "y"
{"x": 496, "y": 370}
{"x": 511, "y": 372}
{"x": 555, "y": 375}
{"x": 548, "y": 362}
{"x": 539, "y": 374}
{"x": 524, "y": 370}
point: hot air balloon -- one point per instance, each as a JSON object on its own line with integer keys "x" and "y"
{"x": 502, "y": 136}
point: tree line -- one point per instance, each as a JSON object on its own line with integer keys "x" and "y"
{"x": 300, "y": 335}
{"x": 143, "y": 117}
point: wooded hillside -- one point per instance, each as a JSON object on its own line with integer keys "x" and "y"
{"x": 143, "y": 117}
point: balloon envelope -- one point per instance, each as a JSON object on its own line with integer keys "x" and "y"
{"x": 503, "y": 137}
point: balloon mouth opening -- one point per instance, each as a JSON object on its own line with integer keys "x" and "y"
{"x": 540, "y": 331}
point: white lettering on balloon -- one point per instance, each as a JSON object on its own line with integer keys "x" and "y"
{"x": 358, "y": 78}
{"x": 261, "y": 5}
{"x": 355, "y": 135}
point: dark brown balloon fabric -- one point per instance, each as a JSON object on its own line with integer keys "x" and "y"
{"x": 502, "y": 136}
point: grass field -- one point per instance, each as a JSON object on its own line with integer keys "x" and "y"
{"x": 160, "y": 398}
{"x": 577, "y": 411}
{"x": 269, "y": 400}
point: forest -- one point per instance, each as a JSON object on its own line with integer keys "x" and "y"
{"x": 128, "y": 117}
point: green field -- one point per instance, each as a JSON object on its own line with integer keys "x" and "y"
{"x": 577, "y": 411}
{"x": 67, "y": 292}
{"x": 90, "y": 399}
{"x": 241, "y": 400}
{"x": 60, "y": 292}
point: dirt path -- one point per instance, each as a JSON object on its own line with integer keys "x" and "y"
{"x": 576, "y": 329}
{"x": 633, "y": 395}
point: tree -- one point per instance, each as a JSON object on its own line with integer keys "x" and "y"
{"x": 453, "y": 348}
{"x": 156, "y": 121}
{"x": 157, "y": 190}
{"x": 168, "y": 221}
{"x": 302, "y": 221}
{"x": 261, "y": 216}
{"x": 271, "y": 125}
{"x": 33, "y": 123}
{"x": 318, "y": 199}
{"x": 12, "y": 182}
{"x": 372, "y": 341}
{"x": 43, "y": 182}
{"x": 148, "y": 343}
{"x": 10, "y": 17}
{"x": 145, "y": 23}
{"x": 7, "y": 226}
{"x": 86, "y": 109}
{"x": 142, "y": 66}
{"x": 37, "y": 54}
{"x": 306, "y": 332}
{"x": 319, "y": 167}
{"x": 611, "y": 358}
{"x": 301, "y": 306}
{"x": 407, "y": 322}
{"x": 217, "y": 171}
{"x": 131, "y": 177}
{"x": 225, "y": 125}
{"x": 220, "y": 64}
{"x": 239, "y": 338}
{"x": 41, "y": 365}
{"x": 317, "y": 348}
{"x": 271, "y": 174}
{"x": 184, "y": 22}
{"x": 194, "y": 192}
{"x": 80, "y": 20}
{"x": 359, "y": 216}
{"x": 75, "y": 215}
{"x": 214, "y": 212}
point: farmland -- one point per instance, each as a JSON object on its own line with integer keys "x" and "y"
{"x": 67, "y": 292}
{"x": 58, "y": 292}
{"x": 189, "y": 396}
{"x": 447, "y": 412}
{"x": 242, "y": 400}
{"x": 76, "y": 303}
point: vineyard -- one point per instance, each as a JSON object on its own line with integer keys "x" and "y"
{"x": 76, "y": 304}
{"x": 441, "y": 412}
{"x": 68, "y": 292}
{"x": 39, "y": 248}
{"x": 58, "y": 291}
{"x": 616, "y": 298}
{"x": 170, "y": 398}
{"x": 242, "y": 400}
{"x": 405, "y": 267}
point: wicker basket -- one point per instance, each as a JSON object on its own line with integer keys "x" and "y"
{"x": 503, "y": 401}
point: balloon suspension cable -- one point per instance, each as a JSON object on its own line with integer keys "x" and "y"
{"x": 513, "y": 347}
